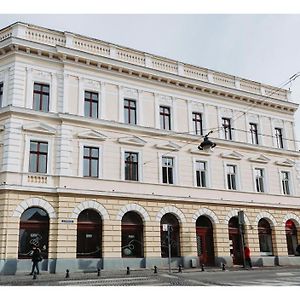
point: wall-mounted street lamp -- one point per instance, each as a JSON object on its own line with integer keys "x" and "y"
{"x": 206, "y": 143}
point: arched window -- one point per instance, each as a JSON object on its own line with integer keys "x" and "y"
{"x": 170, "y": 219}
{"x": 205, "y": 241}
{"x": 89, "y": 234}
{"x": 291, "y": 237}
{"x": 34, "y": 231}
{"x": 265, "y": 237}
{"x": 235, "y": 239}
{"x": 132, "y": 235}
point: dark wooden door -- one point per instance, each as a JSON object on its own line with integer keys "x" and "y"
{"x": 235, "y": 246}
{"x": 205, "y": 246}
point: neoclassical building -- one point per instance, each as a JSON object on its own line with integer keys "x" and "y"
{"x": 99, "y": 150}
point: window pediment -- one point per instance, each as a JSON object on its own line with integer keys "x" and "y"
{"x": 168, "y": 146}
{"x": 134, "y": 140}
{"x": 285, "y": 163}
{"x": 232, "y": 155}
{"x": 92, "y": 134}
{"x": 39, "y": 128}
{"x": 200, "y": 152}
{"x": 260, "y": 159}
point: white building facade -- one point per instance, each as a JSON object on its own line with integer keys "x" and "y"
{"x": 99, "y": 151}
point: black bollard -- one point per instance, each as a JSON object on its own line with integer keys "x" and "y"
{"x": 128, "y": 271}
{"x": 223, "y": 267}
{"x": 34, "y": 275}
{"x": 202, "y": 268}
{"x": 67, "y": 273}
{"x": 155, "y": 269}
{"x": 98, "y": 272}
{"x": 180, "y": 269}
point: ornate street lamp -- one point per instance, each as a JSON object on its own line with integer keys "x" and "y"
{"x": 206, "y": 143}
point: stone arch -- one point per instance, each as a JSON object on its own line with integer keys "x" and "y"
{"x": 205, "y": 212}
{"x": 292, "y": 217}
{"x": 173, "y": 210}
{"x": 39, "y": 202}
{"x": 133, "y": 207}
{"x": 91, "y": 204}
{"x": 234, "y": 213}
{"x": 266, "y": 215}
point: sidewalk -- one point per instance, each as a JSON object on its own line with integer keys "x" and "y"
{"x": 26, "y": 279}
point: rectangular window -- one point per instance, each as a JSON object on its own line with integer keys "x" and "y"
{"x": 197, "y": 123}
{"x": 285, "y": 182}
{"x": 91, "y": 102}
{"x": 201, "y": 173}
{"x": 38, "y": 157}
{"x": 165, "y": 117}
{"x": 1, "y": 93}
{"x": 231, "y": 177}
{"x": 131, "y": 166}
{"x": 90, "y": 162}
{"x": 41, "y": 94}
{"x": 259, "y": 180}
{"x": 278, "y": 137}
{"x": 168, "y": 170}
{"x": 253, "y": 133}
{"x": 129, "y": 111}
{"x": 226, "y": 124}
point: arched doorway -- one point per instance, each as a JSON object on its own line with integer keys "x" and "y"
{"x": 235, "y": 239}
{"x": 89, "y": 234}
{"x": 170, "y": 219}
{"x": 205, "y": 241}
{"x": 265, "y": 237}
{"x": 132, "y": 235}
{"x": 291, "y": 237}
{"x": 34, "y": 231}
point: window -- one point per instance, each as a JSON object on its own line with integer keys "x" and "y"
{"x": 259, "y": 180}
{"x": 226, "y": 124}
{"x": 131, "y": 166}
{"x": 1, "y": 93}
{"x": 129, "y": 111}
{"x": 278, "y": 138}
{"x": 285, "y": 182}
{"x": 291, "y": 237}
{"x": 165, "y": 117}
{"x": 41, "y": 97}
{"x": 38, "y": 157}
{"x": 265, "y": 237}
{"x": 168, "y": 170}
{"x": 231, "y": 177}
{"x": 197, "y": 123}
{"x": 90, "y": 161}
{"x": 91, "y": 104}
{"x": 253, "y": 133}
{"x": 201, "y": 171}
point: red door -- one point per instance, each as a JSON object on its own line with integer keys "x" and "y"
{"x": 205, "y": 246}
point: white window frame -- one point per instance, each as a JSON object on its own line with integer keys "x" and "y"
{"x": 99, "y": 102}
{"x": 83, "y": 144}
{"x": 136, "y": 110}
{"x": 175, "y": 168}
{"x": 140, "y": 163}
{"x": 238, "y": 176}
{"x": 161, "y": 101}
{"x": 4, "y": 80}
{"x": 208, "y": 172}
{"x": 291, "y": 182}
{"x": 265, "y": 179}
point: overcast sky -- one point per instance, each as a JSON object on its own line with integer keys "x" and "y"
{"x": 264, "y": 48}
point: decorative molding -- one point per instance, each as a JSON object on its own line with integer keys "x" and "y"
{"x": 134, "y": 140}
{"x": 266, "y": 215}
{"x": 39, "y": 128}
{"x": 91, "y": 204}
{"x": 285, "y": 163}
{"x": 168, "y": 146}
{"x": 234, "y": 213}
{"x": 205, "y": 212}
{"x": 293, "y": 217}
{"x": 172, "y": 210}
{"x": 260, "y": 159}
{"x": 200, "y": 152}
{"x": 232, "y": 155}
{"x": 133, "y": 207}
{"x": 92, "y": 134}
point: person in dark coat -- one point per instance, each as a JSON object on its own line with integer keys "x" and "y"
{"x": 298, "y": 250}
{"x": 247, "y": 256}
{"x": 36, "y": 258}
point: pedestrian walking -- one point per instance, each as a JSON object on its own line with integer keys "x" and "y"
{"x": 247, "y": 256}
{"x": 36, "y": 258}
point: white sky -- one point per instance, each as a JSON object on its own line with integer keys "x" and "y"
{"x": 260, "y": 47}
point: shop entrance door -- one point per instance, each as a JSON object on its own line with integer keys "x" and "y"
{"x": 205, "y": 246}
{"x": 235, "y": 246}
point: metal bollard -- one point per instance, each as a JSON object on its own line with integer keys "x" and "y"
{"x": 180, "y": 269}
{"x": 128, "y": 271}
{"x": 223, "y": 267}
{"x": 202, "y": 268}
{"x": 155, "y": 269}
{"x": 67, "y": 273}
{"x": 98, "y": 272}
{"x": 34, "y": 275}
